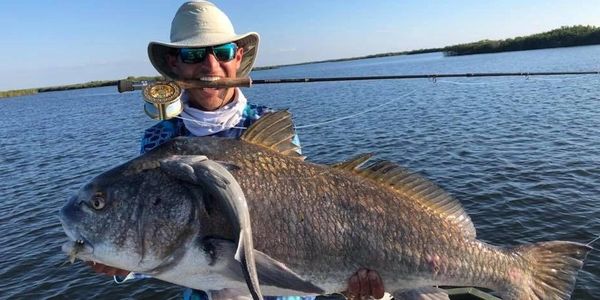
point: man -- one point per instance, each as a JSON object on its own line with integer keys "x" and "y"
{"x": 205, "y": 46}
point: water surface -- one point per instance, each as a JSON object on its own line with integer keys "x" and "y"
{"x": 521, "y": 154}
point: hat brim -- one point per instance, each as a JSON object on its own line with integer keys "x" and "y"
{"x": 158, "y": 51}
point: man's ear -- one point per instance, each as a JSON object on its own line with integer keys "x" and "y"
{"x": 239, "y": 54}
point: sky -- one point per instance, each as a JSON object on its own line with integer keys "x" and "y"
{"x": 54, "y": 42}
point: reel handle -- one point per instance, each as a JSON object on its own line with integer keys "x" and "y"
{"x": 129, "y": 85}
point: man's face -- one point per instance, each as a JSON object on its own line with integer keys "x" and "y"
{"x": 210, "y": 68}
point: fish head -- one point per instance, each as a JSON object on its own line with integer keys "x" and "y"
{"x": 132, "y": 218}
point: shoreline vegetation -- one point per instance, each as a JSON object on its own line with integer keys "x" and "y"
{"x": 566, "y": 36}
{"x": 90, "y": 84}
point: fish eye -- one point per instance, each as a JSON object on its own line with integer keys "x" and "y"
{"x": 98, "y": 201}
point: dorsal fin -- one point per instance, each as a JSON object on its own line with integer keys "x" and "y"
{"x": 275, "y": 131}
{"x": 353, "y": 163}
{"x": 414, "y": 187}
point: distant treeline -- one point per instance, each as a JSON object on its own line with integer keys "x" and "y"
{"x": 90, "y": 84}
{"x": 420, "y": 51}
{"x": 15, "y": 93}
{"x": 566, "y": 36}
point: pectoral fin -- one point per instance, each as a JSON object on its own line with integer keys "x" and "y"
{"x": 220, "y": 183}
{"x": 274, "y": 273}
{"x": 270, "y": 271}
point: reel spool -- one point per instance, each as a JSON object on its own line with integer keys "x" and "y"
{"x": 162, "y": 100}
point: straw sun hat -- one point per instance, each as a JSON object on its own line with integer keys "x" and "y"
{"x": 201, "y": 24}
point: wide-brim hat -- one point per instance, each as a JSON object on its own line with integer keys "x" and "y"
{"x": 202, "y": 24}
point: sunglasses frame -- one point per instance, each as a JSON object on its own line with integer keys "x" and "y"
{"x": 207, "y": 50}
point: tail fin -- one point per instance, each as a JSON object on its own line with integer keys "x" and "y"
{"x": 550, "y": 271}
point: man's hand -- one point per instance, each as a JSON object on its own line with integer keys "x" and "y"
{"x": 365, "y": 283}
{"x": 108, "y": 270}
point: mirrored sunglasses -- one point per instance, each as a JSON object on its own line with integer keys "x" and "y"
{"x": 223, "y": 53}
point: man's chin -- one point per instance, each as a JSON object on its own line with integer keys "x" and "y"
{"x": 209, "y": 98}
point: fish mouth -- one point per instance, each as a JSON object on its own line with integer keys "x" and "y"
{"x": 77, "y": 246}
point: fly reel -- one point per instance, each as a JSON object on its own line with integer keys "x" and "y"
{"x": 162, "y": 100}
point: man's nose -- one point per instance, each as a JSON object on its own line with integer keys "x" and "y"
{"x": 210, "y": 62}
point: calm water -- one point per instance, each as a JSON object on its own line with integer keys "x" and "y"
{"x": 522, "y": 155}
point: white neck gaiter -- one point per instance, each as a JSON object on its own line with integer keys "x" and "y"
{"x": 203, "y": 123}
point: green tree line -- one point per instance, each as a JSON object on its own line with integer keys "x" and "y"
{"x": 566, "y": 36}
{"x": 90, "y": 84}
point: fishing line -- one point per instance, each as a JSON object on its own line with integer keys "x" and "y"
{"x": 432, "y": 77}
{"x": 205, "y": 123}
{"x": 594, "y": 240}
{"x": 357, "y": 114}
{"x": 470, "y": 83}
{"x": 316, "y": 124}
{"x": 556, "y": 79}
{"x": 435, "y": 80}
{"x": 511, "y": 81}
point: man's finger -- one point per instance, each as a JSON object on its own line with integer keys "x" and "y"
{"x": 363, "y": 278}
{"x": 377, "y": 289}
{"x": 353, "y": 286}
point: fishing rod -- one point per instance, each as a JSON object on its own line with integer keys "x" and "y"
{"x": 163, "y": 96}
{"x": 419, "y": 76}
{"x": 128, "y": 85}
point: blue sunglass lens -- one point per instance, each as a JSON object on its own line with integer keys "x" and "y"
{"x": 224, "y": 53}
{"x": 192, "y": 55}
